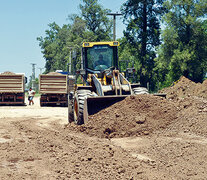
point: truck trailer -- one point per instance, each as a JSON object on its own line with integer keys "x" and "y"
{"x": 53, "y": 89}
{"x": 12, "y": 89}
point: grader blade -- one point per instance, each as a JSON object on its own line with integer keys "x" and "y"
{"x": 92, "y": 105}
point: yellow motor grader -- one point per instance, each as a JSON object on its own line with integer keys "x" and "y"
{"x": 102, "y": 83}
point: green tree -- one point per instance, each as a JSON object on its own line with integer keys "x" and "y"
{"x": 183, "y": 51}
{"x": 91, "y": 25}
{"x": 96, "y": 19}
{"x": 78, "y": 35}
{"x": 142, "y": 18}
{"x": 49, "y": 46}
{"x": 127, "y": 55}
{"x": 59, "y": 41}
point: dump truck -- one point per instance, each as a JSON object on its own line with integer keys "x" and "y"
{"x": 102, "y": 83}
{"x": 53, "y": 88}
{"x": 12, "y": 89}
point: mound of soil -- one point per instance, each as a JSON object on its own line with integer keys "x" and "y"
{"x": 202, "y": 90}
{"x": 54, "y": 73}
{"x": 184, "y": 110}
{"x": 186, "y": 88}
{"x": 190, "y": 98}
{"x": 183, "y": 88}
{"x": 7, "y": 73}
{"x": 192, "y": 116}
{"x": 134, "y": 116}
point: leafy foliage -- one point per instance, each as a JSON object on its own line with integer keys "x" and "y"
{"x": 142, "y": 34}
{"x": 96, "y": 19}
{"x": 56, "y": 47}
{"x": 183, "y": 51}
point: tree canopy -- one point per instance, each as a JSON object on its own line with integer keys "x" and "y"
{"x": 91, "y": 25}
{"x": 159, "y": 56}
{"x": 143, "y": 33}
{"x": 96, "y": 19}
{"x": 183, "y": 51}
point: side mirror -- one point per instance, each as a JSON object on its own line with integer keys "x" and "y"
{"x": 25, "y": 80}
{"x": 81, "y": 71}
{"x": 130, "y": 70}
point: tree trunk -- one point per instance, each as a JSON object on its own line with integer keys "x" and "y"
{"x": 143, "y": 77}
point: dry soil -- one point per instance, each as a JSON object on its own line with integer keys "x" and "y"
{"x": 141, "y": 137}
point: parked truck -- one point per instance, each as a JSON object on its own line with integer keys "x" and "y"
{"x": 12, "y": 89}
{"x": 53, "y": 88}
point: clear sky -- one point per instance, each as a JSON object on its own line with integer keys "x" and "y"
{"x": 22, "y": 21}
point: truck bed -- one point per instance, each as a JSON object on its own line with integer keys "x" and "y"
{"x": 52, "y": 84}
{"x": 11, "y": 83}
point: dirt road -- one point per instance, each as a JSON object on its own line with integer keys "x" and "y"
{"x": 37, "y": 143}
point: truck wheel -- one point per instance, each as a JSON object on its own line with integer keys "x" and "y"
{"x": 78, "y": 105}
{"x": 140, "y": 90}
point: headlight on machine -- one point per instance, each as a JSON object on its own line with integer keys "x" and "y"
{"x": 86, "y": 44}
{"x": 115, "y": 43}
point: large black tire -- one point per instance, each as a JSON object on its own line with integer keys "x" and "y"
{"x": 70, "y": 107}
{"x": 140, "y": 90}
{"x": 70, "y": 115}
{"x": 42, "y": 104}
{"x": 78, "y": 105}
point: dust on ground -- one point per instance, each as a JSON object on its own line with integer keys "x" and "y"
{"x": 142, "y": 137}
{"x": 35, "y": 144}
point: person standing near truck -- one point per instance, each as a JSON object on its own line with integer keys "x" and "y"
{"x": 31, "y": 94}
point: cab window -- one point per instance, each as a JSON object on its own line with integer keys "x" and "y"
{"x": 100, "y": 57}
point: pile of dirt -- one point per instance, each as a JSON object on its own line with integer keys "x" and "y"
{"x": 134, "y": 116}
{"x": 7, "y": 73}
{"x": 190, "y": 98}
{"x": 202, "y": 90}
{"x": 192, "y": 116}
{"x": 54, "y": 73}
{"x": 183, "y": 110}
{"x": 186, "y": 88}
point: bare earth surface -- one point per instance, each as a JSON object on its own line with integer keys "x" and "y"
{"x": 141, "y": 137}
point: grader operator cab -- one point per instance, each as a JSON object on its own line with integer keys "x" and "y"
{"x": 103, "y": 84}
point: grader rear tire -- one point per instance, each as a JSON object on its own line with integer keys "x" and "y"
{"x": 78, "y": 106}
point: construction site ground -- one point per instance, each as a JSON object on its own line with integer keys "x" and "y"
{"x": 141, "y": 137}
